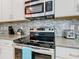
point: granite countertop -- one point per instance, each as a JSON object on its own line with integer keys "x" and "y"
{"x": 11, "y": 37}
{"x": 59, "y": 41}
{"x": 70, "y": 43}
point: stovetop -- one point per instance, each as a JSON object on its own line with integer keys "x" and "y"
{"x": 36, "y": 43}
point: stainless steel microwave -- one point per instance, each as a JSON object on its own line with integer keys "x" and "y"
{"x": 39, "y": 8}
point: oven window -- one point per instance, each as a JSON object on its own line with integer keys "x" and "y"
{"x": 40, "y": 56}
{"x": 37, "y": 8}
{"x": 35, "y": 55}
{"x": 48, "y": 6}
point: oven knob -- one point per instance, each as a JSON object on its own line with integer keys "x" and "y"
{"x": 49, "y": 29}
{"x": 52, "y": 29}
{"x": 51, "y": 45}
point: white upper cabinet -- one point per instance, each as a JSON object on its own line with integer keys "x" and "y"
{"x": 65, "y": 8}
{"x": 11, "y": 10}
{"x": 18, "y": 9}
{"x": 5, "y": 9}
{"x": 0, "y": 9}
{"x": 77, "y": 7}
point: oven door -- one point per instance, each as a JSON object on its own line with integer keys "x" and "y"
{"x": 34, "y": 10}
{"x": 36, "y": 54}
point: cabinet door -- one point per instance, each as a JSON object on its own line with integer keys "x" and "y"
{"x": 61, "y": 53}
{"x": 6, "y": 9}
{"x": 64, "y": 8}
{"x": 67, "y": 53}
{"x": 0, "y": 9}
{"x": 6, "y": 52}
{"x": 76, "y": 7}
{"x": 74, "y": 54}
{"x": 18, "y": 9}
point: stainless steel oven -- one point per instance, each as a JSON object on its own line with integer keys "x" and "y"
{"x": 42, "y": 43}
{"x": 37, "y": 53}
{"x": 39, "y": 8}
{"x": 43, "y": 37}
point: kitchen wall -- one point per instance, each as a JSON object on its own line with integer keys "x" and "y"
{"x": 60, "y": 25}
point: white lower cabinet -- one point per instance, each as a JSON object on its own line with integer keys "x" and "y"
{"x": 67, "y": 53}
{"x": 6, "y": 50}
{"x": 62, "y": 53}
{"x": 74, "y": 54}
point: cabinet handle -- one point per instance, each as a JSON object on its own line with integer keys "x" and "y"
{"x": 61, "y": 57}
{"x": 74, "y": 55}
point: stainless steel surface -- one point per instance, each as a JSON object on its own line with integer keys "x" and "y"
{"x": 39, "y": 8}
{"x": 69, "y": 34}
{"x": 40, "y": 38}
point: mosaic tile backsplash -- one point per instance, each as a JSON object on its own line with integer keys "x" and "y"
{"x": 60, "y": 25}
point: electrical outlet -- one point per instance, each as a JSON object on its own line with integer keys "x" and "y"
{"x": 72, "y": 27}
{"x": 78, "y": 27}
